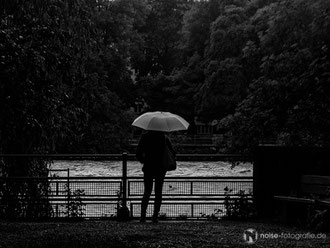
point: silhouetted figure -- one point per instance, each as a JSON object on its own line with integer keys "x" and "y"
{"x": 150, "y": 153}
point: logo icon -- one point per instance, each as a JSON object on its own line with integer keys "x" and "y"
{"x": 250, "y": 236}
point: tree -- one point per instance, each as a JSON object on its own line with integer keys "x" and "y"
{"x": 225, "y": 83}
{"x": 161, "y": 34}
{"x": 287, "y": 103}
{"x": 61, "y": 76}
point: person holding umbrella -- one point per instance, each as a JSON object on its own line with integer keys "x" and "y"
{"x": 150, "y": 152}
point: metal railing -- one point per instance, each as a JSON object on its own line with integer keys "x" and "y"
{"x": 191, "y": 197}
{"x": 98, "y": 197}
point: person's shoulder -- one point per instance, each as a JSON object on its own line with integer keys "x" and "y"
{"x": 147, "y": 136}
{"x": 143, "y": 137}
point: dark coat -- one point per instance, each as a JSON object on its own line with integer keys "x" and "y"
{"x": 150, "y": 150}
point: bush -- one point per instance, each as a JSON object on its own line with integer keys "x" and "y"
{"x": 238, "y": 208}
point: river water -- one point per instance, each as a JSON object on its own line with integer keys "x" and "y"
{"x": 184, "y": 168}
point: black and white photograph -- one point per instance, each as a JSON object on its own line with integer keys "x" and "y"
{"x": 164, "y": 123}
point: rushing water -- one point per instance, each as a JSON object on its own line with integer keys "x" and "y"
{"x": 114, "y": 168}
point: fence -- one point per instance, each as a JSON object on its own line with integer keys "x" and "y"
{"x": 192, "y": 197}
{"x": 98, "y": 197}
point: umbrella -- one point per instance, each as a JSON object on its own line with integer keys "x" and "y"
{"x": 161, "y": 121}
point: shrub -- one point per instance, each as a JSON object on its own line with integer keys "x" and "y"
{"x": 240, "y": 207}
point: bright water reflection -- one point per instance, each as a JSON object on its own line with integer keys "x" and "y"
{"x": 114, "y": 168}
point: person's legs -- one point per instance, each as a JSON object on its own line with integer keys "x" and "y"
{"x": 148, "y": 182}
{"x": 159, "y": 181}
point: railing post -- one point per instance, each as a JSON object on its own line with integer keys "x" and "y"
{"x": 56, "y": 210}
{"x": 124, "y": 178}
{"x": 57, "y": 189}
{"x": 123, "y": 211}
{"x": 132, "y": 215}
{"x": 69, "y": 192}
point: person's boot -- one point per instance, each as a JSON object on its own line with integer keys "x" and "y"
{"x": 143, "y": 217}
{"x": 143, "y": 214}
{"x": 155, "y": 218}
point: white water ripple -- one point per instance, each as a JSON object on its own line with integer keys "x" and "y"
{"x": 114, "y": 168}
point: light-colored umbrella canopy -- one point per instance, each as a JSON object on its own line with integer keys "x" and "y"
{"x": 161, "y": 121}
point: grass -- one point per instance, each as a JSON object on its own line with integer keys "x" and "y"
{"x": 134, "y": 234}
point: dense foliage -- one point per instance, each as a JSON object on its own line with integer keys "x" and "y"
{"x": 260, "y": 67}
{"x": 287, "y": 99}
{"x": 63, "y": 77}
{"x": 71, "y": 69}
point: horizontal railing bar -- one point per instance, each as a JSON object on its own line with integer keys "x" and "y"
{"x": 180, "y": 157}
{"x": 61, "y": 178}
{"x": 137, "y": 199}
{"x": 75, "y": 180}
{"x": 195, "y": 177}
{"x": 114, "y": 199}
{"x": 185, "y": 203}
{"x": 65, "y": 200}
{"x": 187, "y": 199}
{"x": 196, "y": 195}
{"x": 137, "y": 196}
{"x": 185, "y": 196}
{"x": 119, "y": 178}
{"x": 134, "y": 197}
